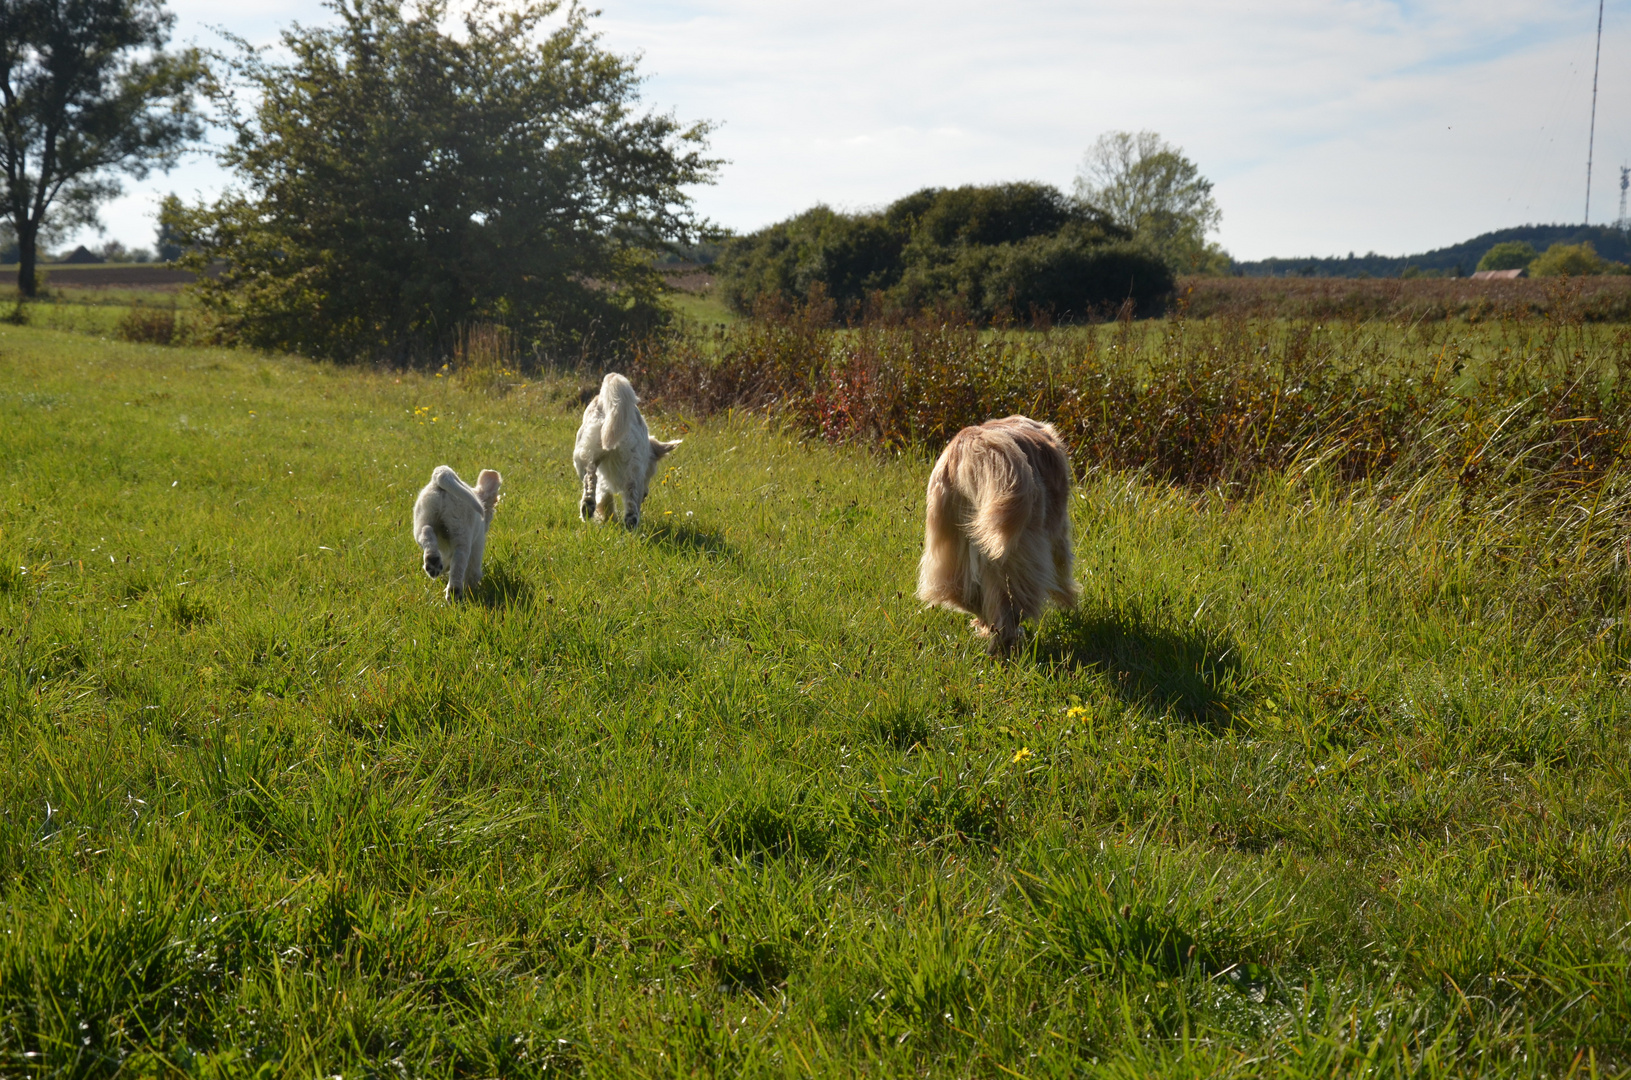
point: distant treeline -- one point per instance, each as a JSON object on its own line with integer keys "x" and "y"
{"x": 1017, "y": 251}
{"x": 1457, "y": 259}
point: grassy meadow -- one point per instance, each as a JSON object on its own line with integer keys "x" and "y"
{"x": 1309, "y": 785}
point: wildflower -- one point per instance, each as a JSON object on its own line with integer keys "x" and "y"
{"x": 1020, "y": 755}
{"x": 1076, "y": 712}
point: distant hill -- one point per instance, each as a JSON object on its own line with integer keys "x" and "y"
{"x": 1610, "y": 243}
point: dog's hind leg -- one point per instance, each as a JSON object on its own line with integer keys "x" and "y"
{"x": 426, "y": 538}
{"x": 605, "y": 507}
{"x": 587, "y": 507}
{"x": 456, "y": 568}
{"x": 472, "y": 568}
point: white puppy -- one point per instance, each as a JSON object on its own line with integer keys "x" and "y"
{"x": 615, "y": 454}
{"x": 450, "y": 520}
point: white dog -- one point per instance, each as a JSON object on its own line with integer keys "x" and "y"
{"x": 450, "y": 521}
{"x": 996, "y": 541}
{"x": 615, "y": 454}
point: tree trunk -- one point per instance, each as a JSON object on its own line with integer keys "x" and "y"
{"x": 27, "y": 256}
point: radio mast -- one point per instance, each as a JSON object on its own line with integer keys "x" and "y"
{"x": 1625, "y": 182}
{"x": 1591, "y": 141}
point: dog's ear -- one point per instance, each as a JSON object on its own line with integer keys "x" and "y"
{"x": 659, "y": 448}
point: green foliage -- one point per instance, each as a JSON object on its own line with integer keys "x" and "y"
{"x": 88, "y": 92}
{"x": 1573, "y": 260}
{"x": 397, "y": 182}
{"x": 1319, "y": 779}
{"x": 1508, "y": 255}
{"x": 1009, "y": 250}
{"x": 1149, "y": 188}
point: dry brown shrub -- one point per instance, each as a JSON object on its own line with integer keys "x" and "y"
{"x": 487, "y": 358}
{"x": 148, "y": 325}
{"x": 1192, "y": 402}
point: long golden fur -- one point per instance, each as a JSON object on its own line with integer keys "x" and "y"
{"x": 996, "y": 539}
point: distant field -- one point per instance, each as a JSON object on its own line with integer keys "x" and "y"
{"x": 145, "y": 276}
{"x": 1313, "y": 784}
{"x": 1592, "y": 299}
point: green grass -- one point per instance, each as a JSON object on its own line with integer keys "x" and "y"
{"x": 705, "y": 308}
{"x": 1306, "y": 787}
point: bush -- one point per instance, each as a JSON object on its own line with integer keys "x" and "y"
{"x": 1572, "y": 260}
{"x": 989, "y": 253}
{"x": 1508, "y": 255}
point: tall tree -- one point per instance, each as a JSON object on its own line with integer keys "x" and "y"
{"x": 397, "y": 182}
{"x": 1147, "y": 185}
{"x": 87, "y": 91}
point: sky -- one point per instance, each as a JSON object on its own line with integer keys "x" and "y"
{"x": 1326, "y": 126}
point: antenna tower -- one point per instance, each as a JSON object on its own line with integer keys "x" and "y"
{"x": 1625, "y": 182}
{"x": 1591, "y": 141}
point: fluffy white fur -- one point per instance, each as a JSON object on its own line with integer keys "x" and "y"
{"x": 615, "y": 454}
{"x": 996, "y": 538}
{"x": 450, "y": 522}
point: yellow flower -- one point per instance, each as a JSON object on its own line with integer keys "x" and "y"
{"x": 1020, "y": 755}
{"x": 1075, "y": 712}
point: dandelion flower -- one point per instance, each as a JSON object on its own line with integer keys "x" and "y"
{"x": 1020, "y": 755}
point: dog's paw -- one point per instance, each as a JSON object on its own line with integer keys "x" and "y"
{"x": 587, "y": 510}
{"x": 1004, "y": 642}
{"x": 433, "y": 567}
{"x": 632, "y": 520}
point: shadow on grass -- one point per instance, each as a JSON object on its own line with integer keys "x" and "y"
{"x": 1191, "y": 673}
{"x": 685, "y": 538}
{"x": 502, "y": 587}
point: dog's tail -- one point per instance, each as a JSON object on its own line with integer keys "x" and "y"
{"x": 447, "y": 480}
{"x": 621, "y": 405}
{"x": 941, "y": 571}
{"x": 487, "y": 485}
{"x": 997, "y": 479}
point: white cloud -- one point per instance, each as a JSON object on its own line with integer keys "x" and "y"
{"x": 1327, "y": 125}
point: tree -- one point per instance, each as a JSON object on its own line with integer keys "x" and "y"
{"x": 1508, "y": 255}
{"x": 396, "y": 183}
{"x": 86, "y": 91}
{"x": 1147, "y": 186}
{"x": 167, "y": 244}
